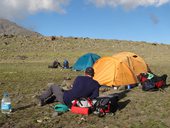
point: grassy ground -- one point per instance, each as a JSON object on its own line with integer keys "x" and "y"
{"x": 24, "y": 73}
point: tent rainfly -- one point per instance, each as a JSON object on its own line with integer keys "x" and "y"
{"x": 86, "y": 60}
{"x": 120, "y": 69}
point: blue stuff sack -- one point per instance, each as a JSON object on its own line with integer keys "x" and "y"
{"x": 61, "y": 108}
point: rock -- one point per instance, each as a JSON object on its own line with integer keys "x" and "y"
{"x": 39, "y": 121}
{"x": 55, "y": 114}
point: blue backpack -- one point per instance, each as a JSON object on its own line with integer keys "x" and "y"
{"x": 65, "y": 64}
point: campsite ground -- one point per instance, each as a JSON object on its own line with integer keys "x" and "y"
{"x": 24, "y": 74}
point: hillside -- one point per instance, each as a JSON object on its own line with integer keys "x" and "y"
{"x": 10, "y": 28}
{"x": 24, "y": 73}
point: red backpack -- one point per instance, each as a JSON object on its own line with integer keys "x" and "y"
{"x": 156, "y": 81}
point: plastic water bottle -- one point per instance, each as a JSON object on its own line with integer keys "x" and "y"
{"x": 6, "y": 107}
{"x": 128, "y": 87}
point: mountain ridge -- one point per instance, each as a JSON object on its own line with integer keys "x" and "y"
{"x": 11, "y": 28}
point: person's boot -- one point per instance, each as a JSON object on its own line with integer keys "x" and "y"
{"x": 40, "y": 102}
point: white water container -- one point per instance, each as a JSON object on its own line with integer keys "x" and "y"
{"x": 6, "y": 104}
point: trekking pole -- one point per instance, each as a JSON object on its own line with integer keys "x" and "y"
{"x": 162, "y": 90}
{"x": 132, "y": 70}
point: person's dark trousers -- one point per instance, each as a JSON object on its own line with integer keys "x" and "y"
{"x": 54, "y": 92}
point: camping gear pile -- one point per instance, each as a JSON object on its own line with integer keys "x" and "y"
{"x": 82, "y": 106}
{"x": 99, "y": 106}
{"x": 152, "y": 82}
{"x": 57, "y": 64}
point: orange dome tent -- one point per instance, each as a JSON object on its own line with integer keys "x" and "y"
{"x": 120, "y": 69}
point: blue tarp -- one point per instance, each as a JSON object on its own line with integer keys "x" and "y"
{"x": 85, "y": 61}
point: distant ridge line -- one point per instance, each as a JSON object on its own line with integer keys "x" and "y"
{"x": 10, "y": 28}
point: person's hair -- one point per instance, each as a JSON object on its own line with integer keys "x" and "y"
{"x": 89, "y": 71}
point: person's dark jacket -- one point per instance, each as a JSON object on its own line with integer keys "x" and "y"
{"x": 83, "y": 87}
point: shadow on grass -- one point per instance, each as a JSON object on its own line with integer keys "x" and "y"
{"x": 166, "y": 86}
{"x": 123, "y": 104}
{"x": 121, "y": 95}
{"x": 23, "y": 107}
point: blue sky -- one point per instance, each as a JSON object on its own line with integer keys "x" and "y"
{"x": 143, "y": 20}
